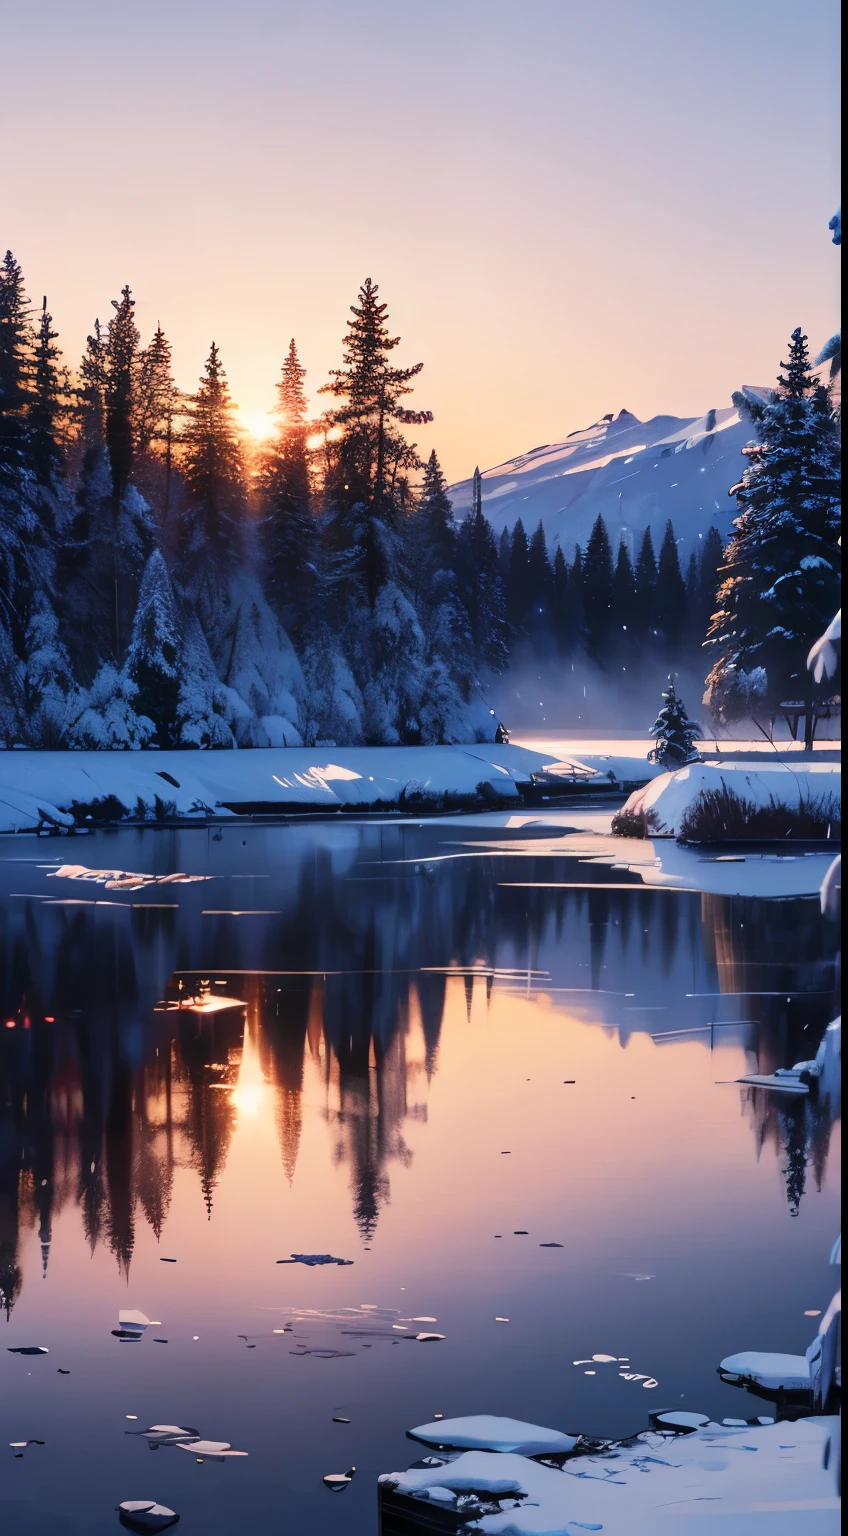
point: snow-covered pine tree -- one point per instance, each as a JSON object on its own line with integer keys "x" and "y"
{"x": 598, "y": 591}
{"x": 153, "y": 656}
{"x": 674, "y": 733}
{"x": 781, "y": 577}
{"x": 669, "y": 593}
{"x": 366, "y": 524}
{"x": 289, "y": 530}
{"x": 449, "y": 678}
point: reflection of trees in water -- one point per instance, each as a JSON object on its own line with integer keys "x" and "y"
{"x": 100, "y": 1107}
{"x": 795, "y": 952}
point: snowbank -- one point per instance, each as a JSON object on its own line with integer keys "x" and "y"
{"x": 732, "y": 1480}
{"x": 39, "y": 787}
{"x": 671, "y": 794}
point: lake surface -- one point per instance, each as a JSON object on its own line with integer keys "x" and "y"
{"x": 430, "y": 1048}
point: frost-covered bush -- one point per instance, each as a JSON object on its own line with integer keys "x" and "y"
{"x": 105, "y": 715}
{"x": 735, "y": 694}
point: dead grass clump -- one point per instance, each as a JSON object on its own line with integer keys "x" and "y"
{"x": 721, "y": 816}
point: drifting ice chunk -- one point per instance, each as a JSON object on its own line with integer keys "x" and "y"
{"x": 313, "y": 1259}
{"x": 490, "y": 1432}
{"x": 144, "y": 1515}
{"x": 680, "y": 1420}
{"x": 775, "y": 1373}
{"x": 133, "y": 1322}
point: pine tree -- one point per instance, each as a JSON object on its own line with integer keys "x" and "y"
{"x": 504, "y": 553}
{"x": 157, "y": 409}
{"x": 709, "y": 569}
{"x": 435, "y": 516}
{"x": 371, "y": 390}
{"x": 781, "y": 577}
{"x": 598, "y": 590}
{"x": 47, "y": 405}
{"x": 559, "y": 602}
{"x": 518, "y": 582}
{"x": 91, "y": 391}
{"x": 120, "y": 360}
{"x": 154, "y": 652}
{"x": 15, "y": 371}
{"x": 289, "y": 528}
{"x": 670, "y": 592}
{"x": 575, "y": 609}
{"x": 214, "y": 472}
{"x": 675, "y": 734}
{"x": 623, "y": 598}
{"x": 372, "y": 452}
{"x": 646, "y": 583}
{"x": 480, "y": 586}
{"x": 540, "y": 584}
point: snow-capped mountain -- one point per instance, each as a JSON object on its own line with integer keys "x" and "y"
{"x": 636, "y": 473}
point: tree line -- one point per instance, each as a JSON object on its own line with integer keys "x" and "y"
{"x": 163, "y": 584}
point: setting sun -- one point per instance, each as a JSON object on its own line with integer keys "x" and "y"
{"x": 259, "y": 424}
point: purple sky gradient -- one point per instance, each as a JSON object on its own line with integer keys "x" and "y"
{"x": 570, "y": 208}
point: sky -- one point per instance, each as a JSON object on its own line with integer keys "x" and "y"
{"x": 570, "y": 208}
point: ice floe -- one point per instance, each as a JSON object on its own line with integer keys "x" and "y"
{"x": 490, "y": 1432}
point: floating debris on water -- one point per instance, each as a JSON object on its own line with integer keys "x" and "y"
{"x": 313, "y": 1259}
{"x": 145, "y": 1515}
{"x": 337, "y": 1481}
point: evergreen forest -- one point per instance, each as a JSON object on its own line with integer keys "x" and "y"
{"x": 166, "y": 582}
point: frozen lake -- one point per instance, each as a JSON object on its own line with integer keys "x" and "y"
{"x": 427, "y": 1048}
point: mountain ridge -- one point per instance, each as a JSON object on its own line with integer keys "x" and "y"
{"x": 683, "y": 468}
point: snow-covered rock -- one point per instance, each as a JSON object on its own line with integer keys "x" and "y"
{"x": 670, "y": 795}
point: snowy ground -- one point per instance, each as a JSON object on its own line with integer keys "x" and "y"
{"x": 35, "y": 786}
{"x": 729, "y": 1479}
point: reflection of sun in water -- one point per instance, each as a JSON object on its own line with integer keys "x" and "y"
{"x": 251, "y": 1090}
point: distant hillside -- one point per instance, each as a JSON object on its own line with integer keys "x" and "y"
{"x": 636, "y": 473}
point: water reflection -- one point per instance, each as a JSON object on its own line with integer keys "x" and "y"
{"x": 138, "y": 1039}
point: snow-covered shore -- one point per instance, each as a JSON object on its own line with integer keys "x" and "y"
{"x": 51, "y": 787}
{"x": 731, "y": 1479}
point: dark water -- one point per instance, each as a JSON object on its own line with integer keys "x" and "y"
{"x": 361, "y": 1039}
